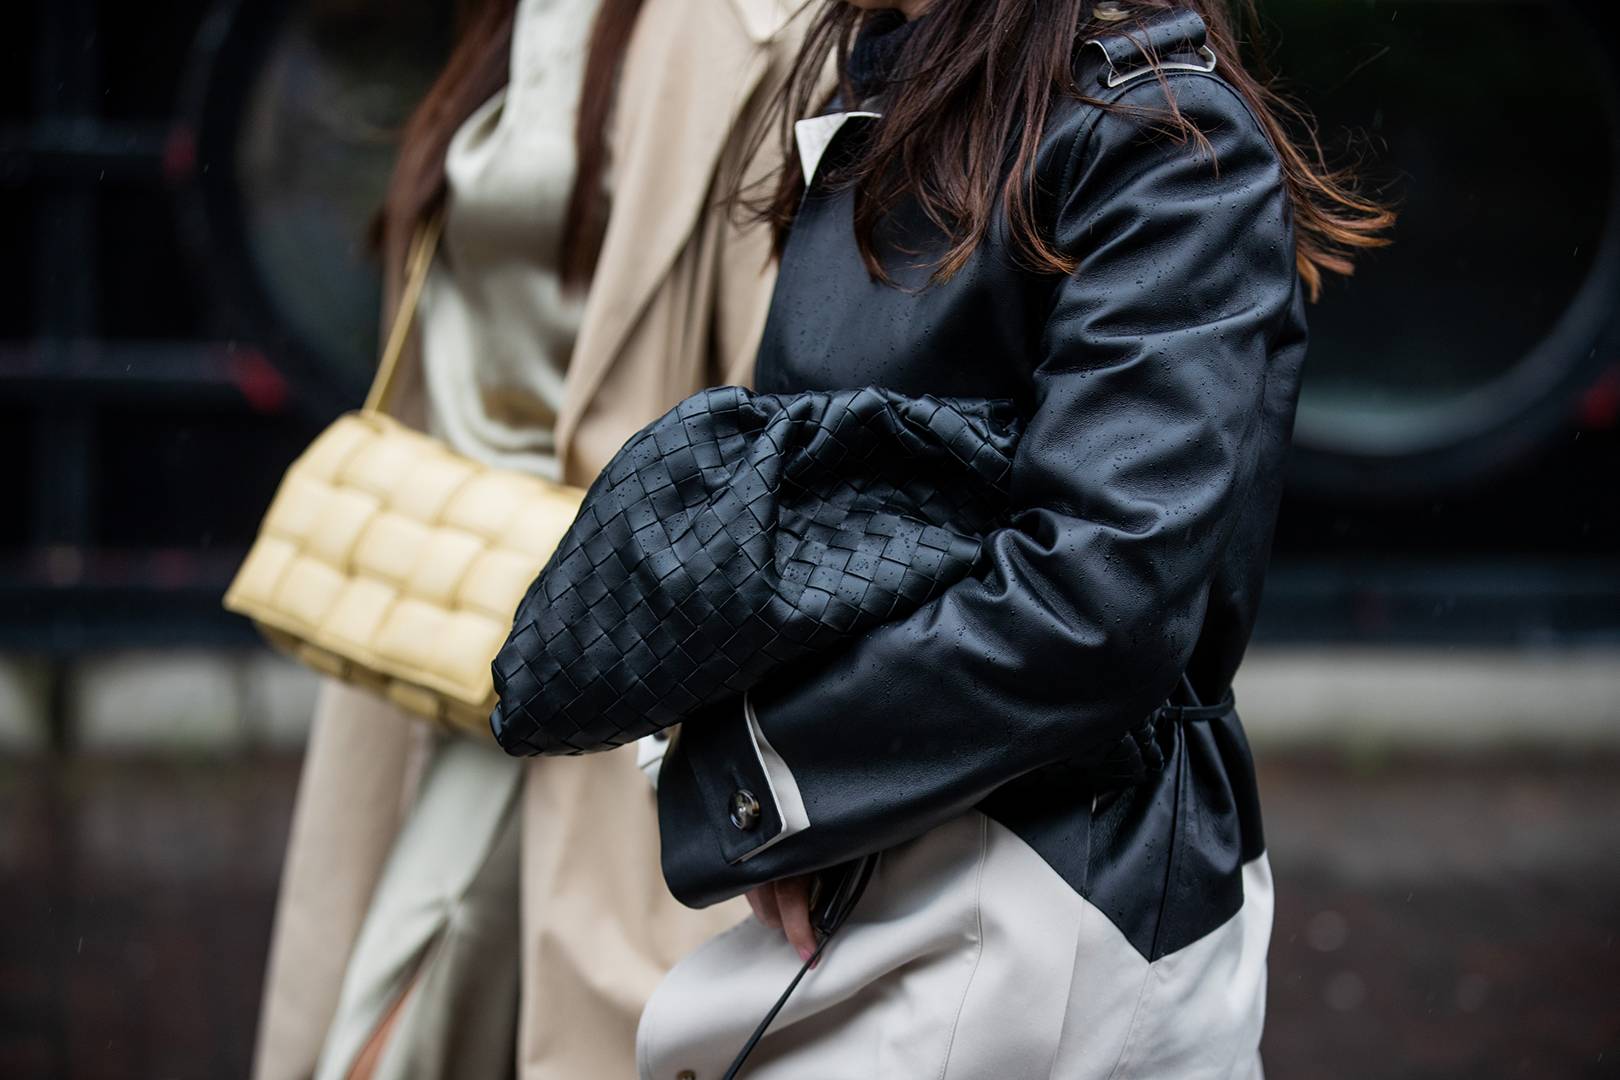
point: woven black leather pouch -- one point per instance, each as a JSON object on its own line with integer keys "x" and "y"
{"x": 739, "y": 533}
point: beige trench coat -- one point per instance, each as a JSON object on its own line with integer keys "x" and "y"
{"x": 677, "y": 303}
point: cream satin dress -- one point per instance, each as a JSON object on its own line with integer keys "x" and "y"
{"x": 441, "y": 940}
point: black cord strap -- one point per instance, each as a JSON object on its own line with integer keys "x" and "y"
{"x": 759, "y": 1032}
{"x": 829, "y": 916}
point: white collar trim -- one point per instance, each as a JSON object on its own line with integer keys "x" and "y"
{"x": 815, "y": 134}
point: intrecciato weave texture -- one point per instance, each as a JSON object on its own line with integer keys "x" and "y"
{"x": 738, "y": 533}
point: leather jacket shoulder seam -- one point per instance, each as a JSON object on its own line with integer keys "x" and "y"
{"x": 1082, "y": 137}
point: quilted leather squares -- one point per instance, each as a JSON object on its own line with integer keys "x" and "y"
{"x": 389, "y": 561}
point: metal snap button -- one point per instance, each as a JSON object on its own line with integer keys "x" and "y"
{"x": 744, "y": 809}
{"x": 1109, "y": 11}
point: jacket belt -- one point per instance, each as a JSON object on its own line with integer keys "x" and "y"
{"x": 1194, "y": 713}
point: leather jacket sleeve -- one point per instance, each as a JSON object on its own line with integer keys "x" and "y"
{"x": 1143, "y": 438}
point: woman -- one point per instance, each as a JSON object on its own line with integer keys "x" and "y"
{"x": 446, "y": 911}
{"x": 1092, "y": 211}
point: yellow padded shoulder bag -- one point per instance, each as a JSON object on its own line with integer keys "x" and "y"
{"x": 390, "y": 561}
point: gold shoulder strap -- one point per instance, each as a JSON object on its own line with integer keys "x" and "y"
{"x": 417, "y": 260}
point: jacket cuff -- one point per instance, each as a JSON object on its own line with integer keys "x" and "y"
{"x": 725, "y": 795}
{"x": 650, "y": 751}
{"x": 782, "y": 787}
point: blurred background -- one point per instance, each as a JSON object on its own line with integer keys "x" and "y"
{"x": 187, "y": 297}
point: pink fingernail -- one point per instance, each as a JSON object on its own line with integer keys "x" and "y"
{"x": 805, "y": 952}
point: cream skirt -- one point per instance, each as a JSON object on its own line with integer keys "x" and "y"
{"x": 969, "y": 958}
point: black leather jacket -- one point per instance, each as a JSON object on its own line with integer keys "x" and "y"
{"x": 1158, "y": 382}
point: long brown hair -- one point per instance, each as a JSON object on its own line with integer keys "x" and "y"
{"x": 967, "y": 83}
{"x": 478, "y": 67}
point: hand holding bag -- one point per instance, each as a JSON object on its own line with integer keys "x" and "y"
{"x": 739, "y": 533}
{"x": 390, "y": 561}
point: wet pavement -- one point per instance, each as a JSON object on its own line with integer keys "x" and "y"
{"x": 1435, "y": 919}
{"x": 1445, "y": 920}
